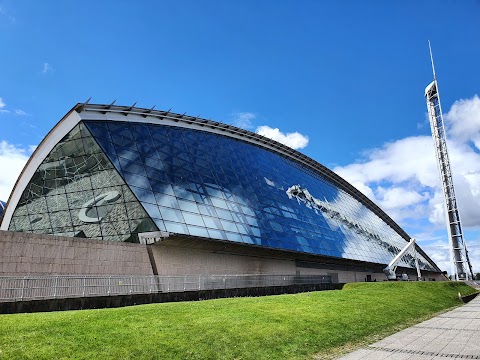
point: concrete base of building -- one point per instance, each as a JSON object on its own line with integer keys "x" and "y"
{"x": 24, "y": 254}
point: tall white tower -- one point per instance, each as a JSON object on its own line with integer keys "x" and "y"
{"x": 461, "y": 268}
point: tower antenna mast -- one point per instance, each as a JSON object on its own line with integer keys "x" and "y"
{"x": 461, "y": 268}
{"x": 431, "y": 59}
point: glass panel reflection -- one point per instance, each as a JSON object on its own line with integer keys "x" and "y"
{"x": 77, "y": 192}
{"x": 210, "y": 185}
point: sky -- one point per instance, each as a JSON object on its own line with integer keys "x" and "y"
{"x": 341, "y": 81}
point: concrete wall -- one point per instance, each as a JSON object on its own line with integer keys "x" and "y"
{"x": 172, "y": 260}
{"x": 344, "y": 276}
{"x": 34, "y": 254}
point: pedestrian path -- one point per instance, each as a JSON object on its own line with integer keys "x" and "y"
{"x": 452, "y": 335}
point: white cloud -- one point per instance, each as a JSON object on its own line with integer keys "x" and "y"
{"x": 294, "y": 140}
{"x": 13, "y": 159}
{"x": 399, "y": 197}
{"x": 20, "y": 112}
{"x": 463, "y": 120}
{"x": 402, "y": 177}
{"x": 47, "y": 68}
{"x": 6, "y": 14}
{"x": 2, "y": 107}
{"x": 439, "y": 252}
{"x": 243, "y": 120}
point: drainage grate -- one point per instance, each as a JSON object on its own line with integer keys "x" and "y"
{"x": 427, "y": 353}
{"x": 443, "y": 328}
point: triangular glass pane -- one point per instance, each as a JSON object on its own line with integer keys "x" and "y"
{"x": 77, "y": 191}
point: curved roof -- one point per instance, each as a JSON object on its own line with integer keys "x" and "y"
{"x": 112, "y": 112}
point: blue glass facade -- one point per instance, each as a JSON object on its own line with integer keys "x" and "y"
{"x": 110, "y": 180}
{"x": 202, "y": 184}
{"x": 2, "y": 207}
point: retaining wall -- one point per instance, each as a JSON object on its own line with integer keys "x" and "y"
{"x": 137, "y": 299}
{"x": 36, "y": 254}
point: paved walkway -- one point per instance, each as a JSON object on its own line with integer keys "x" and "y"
{"x": 454, "y": 334}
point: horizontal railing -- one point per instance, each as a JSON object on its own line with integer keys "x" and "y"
{"x": 19, "y": 288}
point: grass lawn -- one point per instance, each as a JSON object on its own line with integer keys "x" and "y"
{"x": 273, "y": 327}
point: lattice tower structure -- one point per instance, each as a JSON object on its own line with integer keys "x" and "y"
{"x": 461, "y": 268}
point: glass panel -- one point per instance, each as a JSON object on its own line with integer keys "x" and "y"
{"x": 182, "y": 193}
{"x": 213, "y": 223}
{"x": 38, "y": 206}
{"x": 56, "y": 202}
{"x": 167, "y": 201}
{"x": 217, "y": 234}
{"x": 219, "y": 203}
{"x": 198, "y": 231}
{"x": 171, "y": 214}
{"x": 193, "y": 219}
{"x": 134, "y": 210}
{"x": 229, "y": 226}
{"x": 152, "y": 210}
{"x": 234, "y": 237}
{"x": 22, "y": 223}
{"x": 224, "y": 214}
{"x": 111, "y": 229}
{"x": 176, "y": 228}
{"x": 188, "y": 206}
{"x": 131, "y": 167}
{"x": 144, "y": 195}
{"x": 77, "y": 192}
{"x": 77, "y": 199}
{"x": 141, "y": 225}
{"x": 127, "y": 154}
{"x": 40, "y": 221}
{"x": 207, "y": 210}
{"x": 137, "y": 181}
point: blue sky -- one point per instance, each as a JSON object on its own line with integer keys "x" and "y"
{"x": 347, "y": 75}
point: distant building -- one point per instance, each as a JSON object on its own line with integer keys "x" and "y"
{"x": 200, "y": 197}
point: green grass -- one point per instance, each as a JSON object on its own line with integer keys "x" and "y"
{"x": 273, "y": 327}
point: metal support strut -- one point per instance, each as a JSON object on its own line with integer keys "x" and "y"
{"x": 391, "y": 269}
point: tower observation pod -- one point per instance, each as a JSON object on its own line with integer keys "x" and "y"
{"x": 461, "y": 269}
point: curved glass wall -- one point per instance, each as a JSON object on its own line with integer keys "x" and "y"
{"x": 197, "y": 183}
{"x": 2, "y": 207}
{"x": 76, "y": 191}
